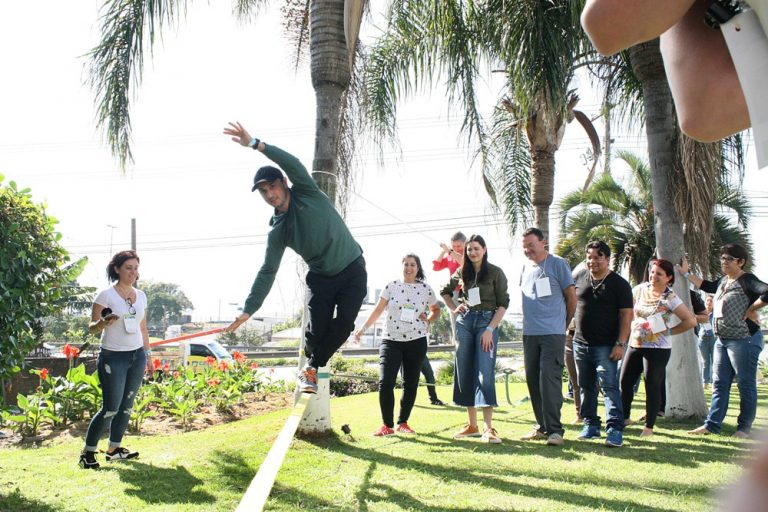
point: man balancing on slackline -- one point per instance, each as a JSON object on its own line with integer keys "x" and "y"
{"x": 306, "y": 221}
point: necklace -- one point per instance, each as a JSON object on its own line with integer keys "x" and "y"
{"x": 596, "y": 287}
{"x": 123, "y": 293}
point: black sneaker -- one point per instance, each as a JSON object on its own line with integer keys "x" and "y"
{"x": 437, "y": 401}
{"x": 121, "y": 454}
{"x": 88, "y": 460}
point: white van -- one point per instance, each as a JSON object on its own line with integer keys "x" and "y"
{"x": 194, "y": 352}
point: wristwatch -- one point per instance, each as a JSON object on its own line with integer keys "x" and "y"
{"x": 254, "y": 143}
{"x": 621, "y": 344}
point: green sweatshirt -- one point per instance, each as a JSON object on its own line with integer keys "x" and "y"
{"x": 493, "y": 289}
{"x": 311, "y": 227}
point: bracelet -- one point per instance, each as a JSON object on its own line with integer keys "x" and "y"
{"x": 489, "y": 328}
{"x": 620, "y": 344}
{"x": 687, "y": 275}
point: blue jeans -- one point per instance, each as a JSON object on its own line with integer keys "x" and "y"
{"x": 593, "y": 364}
{"x": 120, "y": 376}
{"x": 474, "y": 374}
{"x": 707, "y": 352}
{"x": 735, "y": 358}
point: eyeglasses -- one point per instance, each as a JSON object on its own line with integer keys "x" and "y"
{"x": 727, "y": 258}
{"x": 131, "y": 309}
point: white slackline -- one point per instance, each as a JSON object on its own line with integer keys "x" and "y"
{"x": 258, "y": 491}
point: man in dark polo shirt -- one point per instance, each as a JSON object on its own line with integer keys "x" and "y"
{"x": 306, "y": 221}
{"x": 603, "y": 316}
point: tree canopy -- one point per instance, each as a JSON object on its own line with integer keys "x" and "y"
{"x": 33, "y": 274}
{"x": 165, "y": 303}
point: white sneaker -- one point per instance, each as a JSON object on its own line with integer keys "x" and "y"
{"x": 121, "y": 454}
{"x": 555, "y": 440}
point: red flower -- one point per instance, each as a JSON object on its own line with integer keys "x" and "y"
{"x": 254, "y": 365}
{"x": 71, "y": 352}
{"x": 223, "y": 366}
{"x": 175, "y": 374}
{"x": 210, "y": 360}
{"x": 166, "y": 367}
{"x": 44, "y": 374}
{"x": 239, "y": 356}
{"x": 214, "y": 382}
{"x": 156, "y": 363}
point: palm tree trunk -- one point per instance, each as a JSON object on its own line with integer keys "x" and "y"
{"x": 330, "y": 73}
{"x": 542, "y": 187}
{"x": 685, "y": 395}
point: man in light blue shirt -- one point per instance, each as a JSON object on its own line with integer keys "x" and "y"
{"x": 549, "y": 301}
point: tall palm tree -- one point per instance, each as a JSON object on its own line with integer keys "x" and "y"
{"x": 622, "y": 215}
{"x": 683, "y": 399}
{"x": 128, "y": 25}
{"x": 534, "y": 42}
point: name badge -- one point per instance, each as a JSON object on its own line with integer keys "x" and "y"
{"x": 717, "y": 309}
{"x": 473, "y": 296}
{"x": 408, "y": 313}
{"x": 656, "y": 323}
{"x": 130, "y": 323}
{"x": 542, "y": 287}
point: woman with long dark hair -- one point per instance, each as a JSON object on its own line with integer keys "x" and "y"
{"x": 118, "y": 313}
{"x": 411, "y": 306}
{"x": 659, "y": 314}
{"x": 483, "y": 300}
{"x": 737, "y": 296}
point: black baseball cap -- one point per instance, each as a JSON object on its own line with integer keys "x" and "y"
{"x": 266, "y": 173}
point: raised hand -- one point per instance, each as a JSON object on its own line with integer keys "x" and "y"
{"x": 238, "y": 133}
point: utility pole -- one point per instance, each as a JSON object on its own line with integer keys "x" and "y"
{"x": 133, "y": 234}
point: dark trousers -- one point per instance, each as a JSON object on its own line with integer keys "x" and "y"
{"x": 652, "y": 363}
{"x": 570, "y": 365}
{"x": 342, "y": 294}
{"x": 392, "y": 356}
{"x": 544, "y": 360}
{"x": 429, "y": 376}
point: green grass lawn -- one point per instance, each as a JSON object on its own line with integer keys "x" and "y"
{"x": 210, "y": 470}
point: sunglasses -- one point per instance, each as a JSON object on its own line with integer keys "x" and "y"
{"x": 131, "y": 309}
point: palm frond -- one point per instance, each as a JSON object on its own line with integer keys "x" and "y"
{"x": 116, "y": 63}
{"x": 295, "y": 16}
{"x": 538, "y": 50}
{"x": 506, "y": 172}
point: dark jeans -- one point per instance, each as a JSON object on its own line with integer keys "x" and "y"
{"x": 342, "y": 294}
{"x": 652, "y": 363}
{"x": 543, "y": 356}
{"x": 393, "y": 355}
{"x": 429, "y": 376}
{"x": 120, "y": 375}
{"x": 595, "y": 365}
{"x": 735, "y": 358}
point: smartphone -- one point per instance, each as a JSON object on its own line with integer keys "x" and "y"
{"x": 108, "y": 315}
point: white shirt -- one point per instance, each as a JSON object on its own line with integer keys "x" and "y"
{"x": 114, "y": 336}
{"x": 418, "y": 296}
